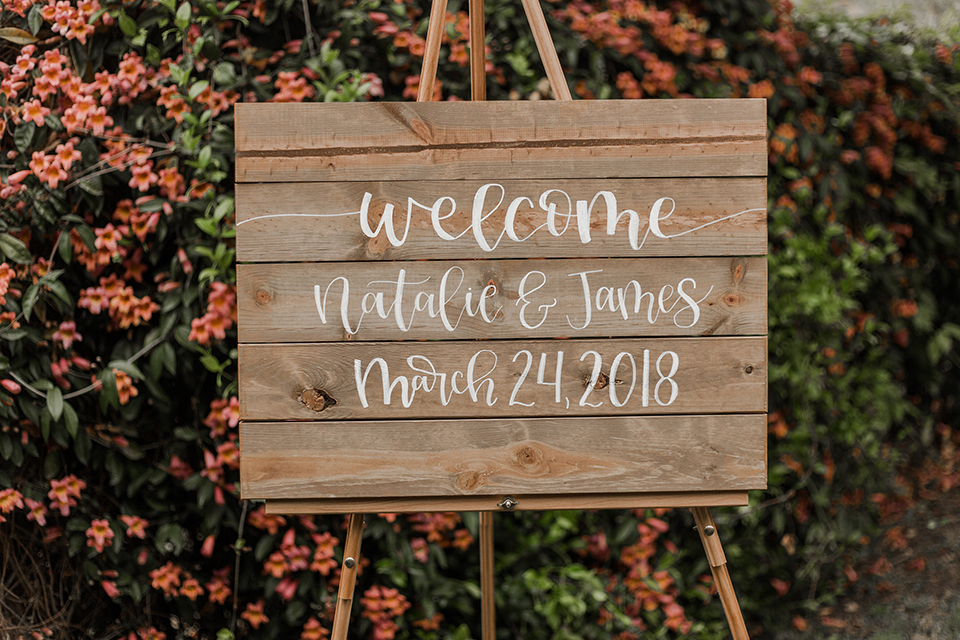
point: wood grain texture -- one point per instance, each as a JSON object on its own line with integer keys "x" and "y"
{"x": 276, "y": 222}
{"x": 378, "y": 126}
{"x": 431, "y": 55}
{"x": 549, "y": 139}
{"x": 503, "y": 457}
{"x": 478, "y": 54}
{"x": 319, "y": 381}
{"x": 548, "y": 53}
{"x": 534, "y": 502}
{"x": 278, "y": 302}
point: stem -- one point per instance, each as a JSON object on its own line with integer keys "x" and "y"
{"x": 236, "y": 566}
{"x": 96, "y": 385}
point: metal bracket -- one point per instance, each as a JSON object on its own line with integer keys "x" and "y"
{"x": 508, "y": 503}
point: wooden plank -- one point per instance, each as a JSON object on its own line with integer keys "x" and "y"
{"x": 502, "y": 378}
{"x": 526, "y": 502}
{"x": 499, "y": 457}
{"x": 655, "y": 160}
{"x": 435, "y": 141}
{"x": 321, "y": 221}
{"x": 378, "y": 127}
{"x": 394, "y": 300}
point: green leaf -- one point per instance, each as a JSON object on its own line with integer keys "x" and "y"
{"x": 14, "y": 249}
{"x": 127, "y": 367}
{"x": 71, "y": 420}
{"x": 224, "y": 74}
{"x": 55, "y": 403}
{"x": 64, "y": 249}
{"x": 92, "y": 185}
{"x": 206, "y": 225}
{"x": 23, "y": 136}
{"x": 204, "y": 156}
{"x": 223, "y": 209}
{"x": 197, "y": 88}
{"x": 182, "y": 18}
{"x": 30, "y": 299}
{"x": 60, "y": 291}
{"x": 169, "y": 538}
{"x": 212, "y": 363}
{"x": 81, "y": 446}
{"x": 17, "y": 36}
{"x": 35, "y": 19}
{"x": 88, "y": 237}
{"x": 185, "y": 433}
{"x": 127, "y": 24}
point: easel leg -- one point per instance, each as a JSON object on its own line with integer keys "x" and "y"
{"x": 488, "y": 610}
{"x": 348, "y": 577}
{"x": 718, "y": 566}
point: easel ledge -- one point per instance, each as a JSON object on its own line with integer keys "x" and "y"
{"x": 524, "y": 502}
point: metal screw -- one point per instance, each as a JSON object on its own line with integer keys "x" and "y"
{"x": 349, "y": 563}
{"x": 709, "y": 530}
{"x": 507, "y": 503}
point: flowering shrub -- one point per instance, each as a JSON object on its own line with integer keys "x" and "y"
{"x": 118, "y": 408}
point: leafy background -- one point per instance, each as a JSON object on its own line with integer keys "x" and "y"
{"x": 119, "y": 501}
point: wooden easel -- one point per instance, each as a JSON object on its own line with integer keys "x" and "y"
{"x": 706, "y": 526}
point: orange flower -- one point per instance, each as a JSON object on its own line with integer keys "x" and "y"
{"x": 762, "y": 89}
{"x": 166, "y": 578}
{"x": 218, "y": 590}
{"x": 254, "y": 614}
{"x": 99, "y": 535}
{"x": 313, "y": 630}
{"x": 125, "y": 388}
{"x": 35, "y": 112}
{"x": 191, "y": 589}
{"x": 136, "y": 526}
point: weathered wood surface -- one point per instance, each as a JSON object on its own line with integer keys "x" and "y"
{"x": 435, "y": 141}
{"x": 305, "y": 222}
{"x": 510, "y": 378}
{"x": 527, "y": 502}
{"x": 677, "y": 297}
{"x": 497, "y": 457}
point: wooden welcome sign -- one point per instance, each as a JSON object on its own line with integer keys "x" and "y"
{"x": 443, "y": 305}
{"x": 502, "y": 305}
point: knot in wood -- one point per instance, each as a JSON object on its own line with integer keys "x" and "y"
{"x": 748, "y": 368}
{"x": 316, "y": 399}
{"x": 602, "y": 381}
{"x": 732, "y": 299}
{"x": 738, "y": 270}
{"x": 468, "y": 480}
{"x": 263, "y": 297}
{"x": 527, "y": 456}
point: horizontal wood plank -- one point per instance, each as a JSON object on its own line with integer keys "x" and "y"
{"x": 526, "y": 502}
{"x": 501, "y": 299}
{"x": 708, "y": 159}
{"x": 502, "y": 378}
{"x": 433, "y": 141}
{"x": 497, "y": 457}
{"x": 379, "y": 126}
{"x": 321, "y": 221}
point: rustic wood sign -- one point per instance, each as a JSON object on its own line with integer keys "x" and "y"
{"x": 442, "y": 305}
